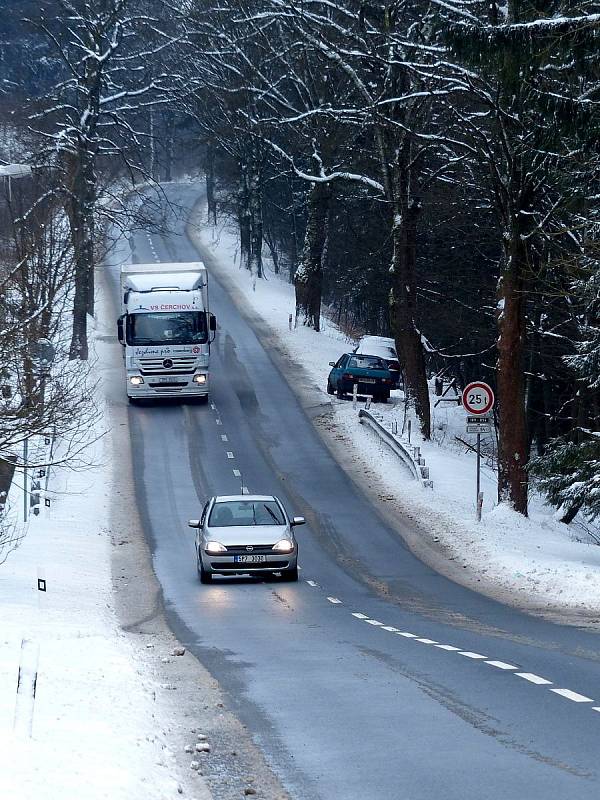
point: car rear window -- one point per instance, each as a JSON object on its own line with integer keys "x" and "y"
{"x": 245, "y": 512}
{"x": 366, "y": 362}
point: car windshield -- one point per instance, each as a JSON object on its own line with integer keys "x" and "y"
{"x": 186, "y": 327}
{"x": 366, "y": 362}
{"x": 245, "y": 512}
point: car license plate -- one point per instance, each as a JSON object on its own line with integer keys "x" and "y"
{"x": 367, "y": 380}
{"x": 249, "y": 559}
{"x": 167, "y": 379}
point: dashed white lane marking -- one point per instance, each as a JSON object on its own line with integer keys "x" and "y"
{"x": 374, "y": 622}
{"x": 468, "y": 654}
{"x": 218, "y": 421}
{"x": 237, "y": 473}
{"x": 574, "y": 696}
{"x": 389, "y": 628}
{"x": 230, "y": 454}
{"x": 310, "y": 583}
{"x": 595, "y": 708}
{"x": 334, "y": 600}
{"x": 427, "y": 641}
{"x": 407, "y": 634}
{"x": 449, "y": 647}
{"x": 529, "y": 676}
{"x": 500, "y": 664}
{"x": 213, "y": 407}
{"x": 224, "y": 437}
{"x": 358, "y": 615}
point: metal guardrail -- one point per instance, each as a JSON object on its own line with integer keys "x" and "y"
{"x": 410, "y": 455}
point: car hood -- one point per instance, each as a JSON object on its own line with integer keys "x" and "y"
{"x": 247, "y": 534}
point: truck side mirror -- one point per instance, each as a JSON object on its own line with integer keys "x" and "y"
{"x": 212, "y": 322}
{"x": 121, "y": 329}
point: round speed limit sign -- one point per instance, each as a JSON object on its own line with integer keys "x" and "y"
{"x": 478, "y": 398}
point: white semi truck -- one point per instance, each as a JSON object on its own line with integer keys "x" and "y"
{"x": 166, "y": 329}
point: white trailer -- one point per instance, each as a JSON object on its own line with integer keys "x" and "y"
{"x": 166, "y": 329}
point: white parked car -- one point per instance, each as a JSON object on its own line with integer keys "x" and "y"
{"x": 385, "y": 348}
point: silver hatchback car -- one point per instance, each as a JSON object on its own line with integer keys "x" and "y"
{"x": 241, "y": 534}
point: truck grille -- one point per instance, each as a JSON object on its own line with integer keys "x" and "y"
{"x": 182, "y": 365}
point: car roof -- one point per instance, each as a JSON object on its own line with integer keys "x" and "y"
{"x": 225, "y": 498}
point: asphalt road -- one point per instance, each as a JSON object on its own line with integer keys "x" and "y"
{"x": 374, "y": 677}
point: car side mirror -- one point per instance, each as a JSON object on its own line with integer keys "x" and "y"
{"x": 121, "y": 329}
{"x": 298, "y": 521}
{"x": 194, "y": 523}
{"x": 332, "y": 363}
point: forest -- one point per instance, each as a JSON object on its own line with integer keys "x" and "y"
{"x": 427, "y": 170}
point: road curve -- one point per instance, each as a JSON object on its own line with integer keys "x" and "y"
{"x": 374, "y": 677}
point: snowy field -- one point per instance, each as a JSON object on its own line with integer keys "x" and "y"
{"x": 98, "y": 725}
{"x": 536, "y": 562}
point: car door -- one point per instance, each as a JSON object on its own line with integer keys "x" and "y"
{"x": 338, "y": 369}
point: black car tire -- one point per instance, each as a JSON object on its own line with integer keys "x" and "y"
{"x": 289, "y": 574}
{"x": 205, "y": 577}
{"x": 340, "y": 392}
{"x": 330, "y": 388}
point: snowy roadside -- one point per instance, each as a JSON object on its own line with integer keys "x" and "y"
{"x": 538, "y": 563}
{"x": 98, "y": 720}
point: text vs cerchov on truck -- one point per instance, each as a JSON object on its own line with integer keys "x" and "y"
{"x": 166, "y": 329}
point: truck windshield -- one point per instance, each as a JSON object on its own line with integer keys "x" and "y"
{"x": 185, "y": 327}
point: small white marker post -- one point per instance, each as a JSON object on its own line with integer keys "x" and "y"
{"x": 478, "y": 400}
{"x": 26, "y": 685}
{"x": 354, "y": 394}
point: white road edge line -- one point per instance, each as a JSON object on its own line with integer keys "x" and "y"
{"x": 230, "y": 454}
{"x": 407, "y": 634}
{"x": 359, "y": 615}
{"x": 427, "y": 641}
{"x": 500, "y": 665}
{"x": 334, "y": 600}
{"x": 468, "y": 654}
{"x": 374, "y": 622}
{"x": 574, "y": 696}
{"x": 224, "y": 437}
{"x": 389, "y": 628}
{"x": 237, "y": 473}
{"x": 310, "y": 583}
{"x": 529, "y": 676}
{"x": 449, "y": 647}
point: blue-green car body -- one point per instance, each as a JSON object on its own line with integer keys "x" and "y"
{"x": 370, "y": 373}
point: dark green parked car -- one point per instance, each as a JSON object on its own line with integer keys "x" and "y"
{"x": 369, "y": 372}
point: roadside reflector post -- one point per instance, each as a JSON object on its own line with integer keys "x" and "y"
{"x": 354, "y": 394}
{"x": 409, "y": 430}
{"x": 26, "y": 684}
{"x": 290, "y": 321}
{"x": 479, "y": 506}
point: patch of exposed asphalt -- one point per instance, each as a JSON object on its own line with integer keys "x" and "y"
{"x": 190, "y": 706}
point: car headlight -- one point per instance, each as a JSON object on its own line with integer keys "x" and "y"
{"x": 215, "y": 547}
{"x": 199, "y": 379}
{"x": 284, "y": 546}
{"x": 136, "y": 380}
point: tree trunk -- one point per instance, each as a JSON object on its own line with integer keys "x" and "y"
{"x": 513, "y": 442}
{"x": 244, "y": 217}
{"x": 209, "y": 167}
{"x": 308, "y": 279}
{"x": 256, "y": 221}
{"x": 403, "y": 311}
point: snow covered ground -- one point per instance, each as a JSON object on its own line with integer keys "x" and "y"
{"x": 537, "y": 563}
{"x": 99, "y": 724}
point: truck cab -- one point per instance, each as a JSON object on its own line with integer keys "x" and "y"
{"x": 166, "y": 329}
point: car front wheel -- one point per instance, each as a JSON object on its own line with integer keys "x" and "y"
{"x": 340, "y": 392}
{"x": 289, "y": 574}
{"x": 329, "y": 388}
{"x": 205, "y": 577}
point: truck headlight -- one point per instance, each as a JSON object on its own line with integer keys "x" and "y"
{"x": 199, "y": 379}
{"x": 136, "y": 380}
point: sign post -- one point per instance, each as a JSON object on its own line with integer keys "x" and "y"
{"x": 478, "y": 400}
